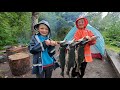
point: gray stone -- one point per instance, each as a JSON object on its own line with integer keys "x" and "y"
{"x": 3, "y": 58}
{"x": 115, "y": 61}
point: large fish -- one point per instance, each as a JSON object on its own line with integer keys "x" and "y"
{"x": 100, "y": 44}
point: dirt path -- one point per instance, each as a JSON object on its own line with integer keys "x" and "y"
{"x": 96, "y": 69}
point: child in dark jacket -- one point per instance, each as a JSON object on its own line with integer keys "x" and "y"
{"x": 43, "y": 49}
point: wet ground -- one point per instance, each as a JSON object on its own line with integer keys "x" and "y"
{"x": 96, "y": 69}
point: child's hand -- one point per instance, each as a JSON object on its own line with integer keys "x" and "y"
{"x": 94, "y": 37}
{"x": 53, "y": 43}
{"x": 88, "y": 37}
{"x": 48, "y": 42}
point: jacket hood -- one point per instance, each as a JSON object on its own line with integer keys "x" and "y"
{"x": 45, "y": 23}
{"x": 85, "y": 22}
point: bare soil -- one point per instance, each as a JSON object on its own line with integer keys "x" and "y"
{"x": 96, "y": 69}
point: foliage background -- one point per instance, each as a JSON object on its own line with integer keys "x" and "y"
{"x": 15, "y": 27}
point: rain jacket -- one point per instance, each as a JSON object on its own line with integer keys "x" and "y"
{"x": 35, "y": 48}
{"x": 38, "y": 47}
{"x": 82, "y": 33}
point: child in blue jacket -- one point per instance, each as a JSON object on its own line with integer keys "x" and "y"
{"x": 43, "y": 49}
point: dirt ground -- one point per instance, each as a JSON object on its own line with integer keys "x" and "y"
{"x": 95, "y": 69}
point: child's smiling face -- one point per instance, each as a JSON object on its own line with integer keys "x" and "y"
{"x": 43, "y": 29}
{"x": 80, "y": 23}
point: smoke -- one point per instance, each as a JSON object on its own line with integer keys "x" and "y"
{"x": 83, "y": 14}
{"x": 104, "y": 14}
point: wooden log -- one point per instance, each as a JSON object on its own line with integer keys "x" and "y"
{"x": 14, "y": 49}
{"x": 19, "y": 63}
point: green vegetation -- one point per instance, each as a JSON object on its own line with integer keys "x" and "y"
{"x": 112, "y": 37}
{"x": 110, "y": 47}
{"x": 15, "y": 27}
{"x": 59, "y": 25}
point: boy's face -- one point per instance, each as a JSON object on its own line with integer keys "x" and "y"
{"x": 81, "y": 23}
{"x": 43, "y": 29}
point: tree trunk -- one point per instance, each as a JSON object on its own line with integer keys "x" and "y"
{"x": 34, "y": 20}
{"x": 19, "y": 63}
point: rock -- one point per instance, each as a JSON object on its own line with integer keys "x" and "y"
{"x": 119, "y": 54}
{"x": 3, "y": 58}
{"x": 6, "y": 77}
{"x": 113, "y": 57}
{"x": 5, "y": 47}
{"x": 1, "y": 76}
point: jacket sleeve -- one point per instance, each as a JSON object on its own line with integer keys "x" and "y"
{"x": 33, "y": 47}
{"x": 51, "y": 50}
{"x": 77, "y": 35}
{"x": 93, "y": 41}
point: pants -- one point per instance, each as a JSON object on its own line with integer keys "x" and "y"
{"x": 82, "y": 70}
{"x": 46, "y": 73}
